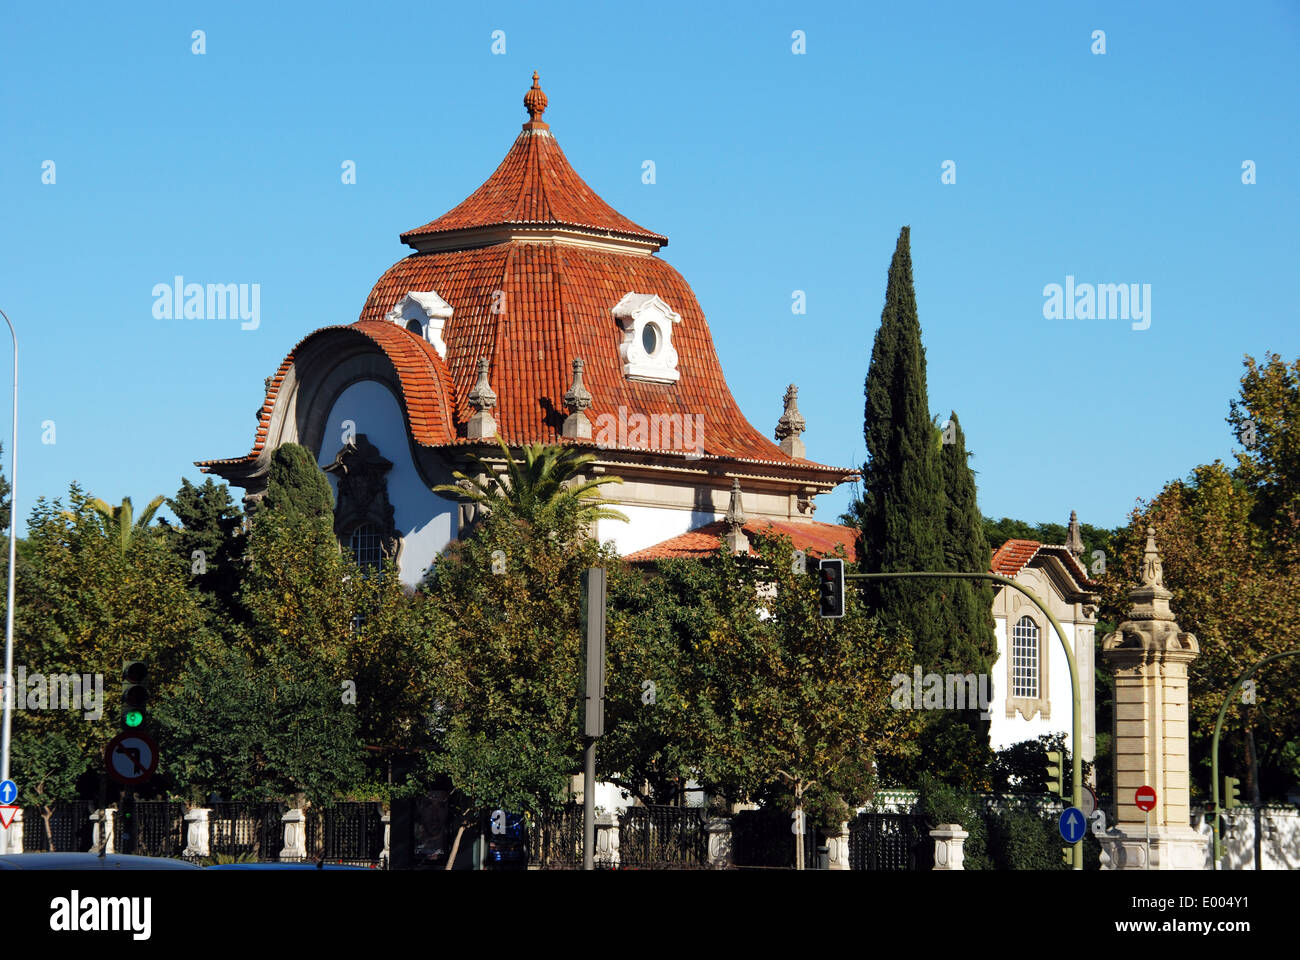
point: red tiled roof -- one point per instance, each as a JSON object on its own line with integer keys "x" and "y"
{"x": 427, "y": 389}
{"x": 1014, "y": 555}
{"x": 532, "y": 306}
{"x": 1010, "y": 558}
{"x": 818, "y": 539}
{"x": 535, "y": 186}
{"x": 555, "y": 301}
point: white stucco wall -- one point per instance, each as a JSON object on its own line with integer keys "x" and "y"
{"x": 425, "y": 521}
{"x": 1004, "y": 730}
{"x": 647, "y": 526}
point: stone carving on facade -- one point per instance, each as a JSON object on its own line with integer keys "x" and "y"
{"x": 363, "y": 494}
{"x": 577, "y": 399}
{"x": 482, "y": 398}
{"x": 735, "y": 538}
{"x": 791, "y": 425}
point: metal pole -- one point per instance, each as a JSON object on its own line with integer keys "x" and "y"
{"x": 1214, "y": 747}
{"x": 589, "y": 805}
{"x": 8, "y": 680}
{"x": 1076, "y": 738}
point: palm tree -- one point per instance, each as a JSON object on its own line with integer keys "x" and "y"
{"x": 120, "y": 521}
{"x": 540, "y": 487}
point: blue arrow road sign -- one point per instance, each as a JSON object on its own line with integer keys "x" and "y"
{"x": 1073, "y": 824}
{"x": 8, "y": 791}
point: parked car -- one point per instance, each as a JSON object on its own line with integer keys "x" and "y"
{"x": 90, "y": 861}
{"x": 290, "y": 865}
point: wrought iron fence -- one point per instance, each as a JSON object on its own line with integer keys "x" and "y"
{"x": 890, "y": 841}
{"x": 764, "y": 838}
{"x": 243, "y": 828}
{"x": 663, "y": 837}
{"x": 349, "y": 832}
{"x": 71, "y": 830}
{"x": 159, "y": 828}
{"x": 554, "y": 839}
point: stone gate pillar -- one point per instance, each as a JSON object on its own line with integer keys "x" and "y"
{"x": 1149, "y": 654}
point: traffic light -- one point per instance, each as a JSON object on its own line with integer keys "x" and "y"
{"x": 135, "y": 695}
{"x": 1055, "y": 779}
{"x": 1231, "y": 798}
{"x": 830, "y": 580}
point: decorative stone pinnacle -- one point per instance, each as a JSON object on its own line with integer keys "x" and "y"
{"x": 735, "y": 539}
{"x": 535, "y": 101}
{"x": 482, "y": 397}
{"x": 791, "y": 425}
{"x": 1074, "y": 542}
{"x": 577, "y": 398}
{"x": 735, "y": 512}
{"x": 1153, "y": 572}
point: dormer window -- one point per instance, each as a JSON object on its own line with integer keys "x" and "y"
{"x": 647, "y": 348}
{"x": 424, "y": 314}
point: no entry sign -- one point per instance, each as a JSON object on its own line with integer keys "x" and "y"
{"x": 1145, "y": 798}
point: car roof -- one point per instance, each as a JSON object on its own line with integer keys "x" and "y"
{"x": 276, "y": 865}
{"x": 90, "y": 861}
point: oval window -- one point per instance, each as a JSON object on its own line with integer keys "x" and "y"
{"x": 650, "y": 339}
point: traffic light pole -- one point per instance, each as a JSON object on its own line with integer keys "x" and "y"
{"x": 1214, "y": 746}
{"x": 1076, "y": 738}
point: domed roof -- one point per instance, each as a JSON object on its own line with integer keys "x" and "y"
{"x": 533, "y": 187}
{"x": 532, "y": 272}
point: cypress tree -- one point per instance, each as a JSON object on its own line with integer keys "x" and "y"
{"x": 296, "y": 487}
{"x": 972, "y": 645}
{"x": 903, "y": 511}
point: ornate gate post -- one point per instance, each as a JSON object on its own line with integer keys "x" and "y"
{"x": 1149, "y": 654}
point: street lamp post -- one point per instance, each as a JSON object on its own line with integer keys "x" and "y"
{"x": 8, "y": 681}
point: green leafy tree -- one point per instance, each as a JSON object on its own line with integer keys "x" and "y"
{"x": 296, "y": 486}
{"x": 548, "y": 484}
{"x": 83, "y": 606}
{"x": 508, "y": 657}
{"x": 259, "y": 732}
{"x": 1266, "y": 422}
{"x": 208, "y": 539}
{"x": 755, "y": 695}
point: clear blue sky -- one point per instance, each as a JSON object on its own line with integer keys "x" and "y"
{"x": 776, "y": 172}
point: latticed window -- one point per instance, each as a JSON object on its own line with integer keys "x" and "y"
{"x": 1024, "y": 659}
{"x": 367, "y": 549}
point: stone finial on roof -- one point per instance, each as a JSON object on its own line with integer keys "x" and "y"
{"x": 1074, "y": 541}
{"x": 735, "y": 538}
{"x": 482, "y": 398}
{"x": 791, "y": 425}
{"x": 535, "y": 101}
{"x": 577, "y": 399}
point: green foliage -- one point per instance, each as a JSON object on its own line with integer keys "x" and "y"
{"x": 1266, "y": 422}
{"x": 998, "y": 532}
{"x": 260, "y": 730}
{"x": 903, "y": 509}
{"x": 296, "y": 487}
{"x": 210, "y": 523}
{"x": 508, "y": 655}
{"x": 83, "y": 605}
{"x": 547, "y": 487}
{"x": 120, "y": 522}
{"x": 757, "y": 697}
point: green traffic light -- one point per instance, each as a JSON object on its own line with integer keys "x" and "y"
{"x": 133, "y": 718}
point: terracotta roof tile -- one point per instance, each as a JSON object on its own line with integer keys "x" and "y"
{"x": 815, "y": 538}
